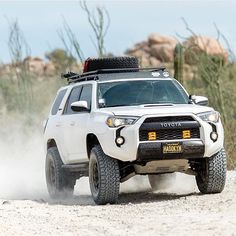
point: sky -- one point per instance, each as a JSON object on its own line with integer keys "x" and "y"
{"x": 131, "y": 22}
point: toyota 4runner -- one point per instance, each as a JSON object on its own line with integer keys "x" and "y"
{"x": 116, "y": 120}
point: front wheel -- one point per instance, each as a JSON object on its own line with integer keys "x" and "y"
{"x": 104, "y": 177}
{"x": 211, "y": 175}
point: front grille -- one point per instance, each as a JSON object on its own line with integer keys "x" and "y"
{"x": 168, "y": 134}
{"x": 152, "y": 124}
{"x": 168, "y": 119}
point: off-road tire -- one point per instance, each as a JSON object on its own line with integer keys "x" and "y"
{"x": 59, "y": 183}
{"x": 161, "y": 181}
{"x": 104, "y": 177}
{"x": 212, "y": 175}
{"x": 112, "y": 63}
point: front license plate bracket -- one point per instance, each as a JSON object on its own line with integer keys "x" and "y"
{"x": 172, "y": 148}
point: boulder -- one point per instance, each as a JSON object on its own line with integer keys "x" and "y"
{"x": 49, "y": 69}
{"x": 139, "y": 46}
{"x": 155, "y": 38}
{"x": 210, "y": 46}
{"x": 162, "y": 52}
{"x": 35, "y": 64}
{"x": 154, "y": 62}
{"x": 144, "y": 62}
{"x": 139, "y": 53}
{"x": 156, "y": 49}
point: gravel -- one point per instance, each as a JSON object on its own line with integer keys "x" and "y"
{"x": 180, "y": 210}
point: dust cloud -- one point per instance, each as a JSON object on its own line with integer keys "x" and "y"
{"x": 22, "y": 165}
{"x": 180, "y": 184}
{"x": 21, "y": 162}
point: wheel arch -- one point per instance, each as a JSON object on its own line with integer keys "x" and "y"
{"x": 51, "y": 143}
{"x": 91, "y": 141}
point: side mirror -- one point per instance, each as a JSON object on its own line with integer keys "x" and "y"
{"x": 79, "y": 106}
{"x": 199, "y": 100}
{"x": 101, "y": 102}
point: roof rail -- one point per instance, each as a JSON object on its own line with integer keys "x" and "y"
{"x": 73, "y": 77}
{"x": 92, "y": 75}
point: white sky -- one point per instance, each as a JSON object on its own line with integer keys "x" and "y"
{"x": 131, "y": 22}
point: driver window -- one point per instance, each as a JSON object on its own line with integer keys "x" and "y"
{"x": 74, "y": 97}
{"x": 86, "y": 94}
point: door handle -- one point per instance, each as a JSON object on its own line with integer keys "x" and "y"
{"x": 72, "y": 123}
{"x": 58, "y": 124}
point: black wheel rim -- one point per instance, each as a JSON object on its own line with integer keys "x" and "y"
{"x": 95, "y": 176}
{"x": 51, "y": 176}
{"x": 202, "y": 175}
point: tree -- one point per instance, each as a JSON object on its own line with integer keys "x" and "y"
{"x": 60, "y": 58}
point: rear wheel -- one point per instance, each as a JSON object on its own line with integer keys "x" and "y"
{"x": 161, "y": 181}
{"x": 211, "y": 175}
{"x": 59, "y": 183}
{"x": 104, "y": 177}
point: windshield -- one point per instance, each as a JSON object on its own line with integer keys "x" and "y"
{"x": 131, "y": 93}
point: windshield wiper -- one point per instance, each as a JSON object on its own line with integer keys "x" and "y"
{"x": 142, "y": 105}
{"x": 119, "y": 105}
{"x": 158, "y": 104}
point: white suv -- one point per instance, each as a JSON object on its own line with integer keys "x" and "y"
{"x": 111, "y": 124}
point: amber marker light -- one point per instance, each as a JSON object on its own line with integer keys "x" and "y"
{"x": 152, "y": 135}
{"x": 186, "y": 134}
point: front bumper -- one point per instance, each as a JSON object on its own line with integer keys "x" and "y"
{"x": 133, "y": 149}
{"x": 154, "y": 151}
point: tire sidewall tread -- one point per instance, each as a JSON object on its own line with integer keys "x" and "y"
{"x": 215, "y": 174}
{"x": 113, "y": 63}
{"x": 64, "y": 185}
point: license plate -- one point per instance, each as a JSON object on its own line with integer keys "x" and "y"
{"x": 172, "y": 148}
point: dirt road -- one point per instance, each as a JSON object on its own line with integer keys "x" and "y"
{"x": 178, "y": 211}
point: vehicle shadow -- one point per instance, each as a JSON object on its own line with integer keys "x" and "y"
{"x": 124, "y": 198}
{"x": 147, "y": 197}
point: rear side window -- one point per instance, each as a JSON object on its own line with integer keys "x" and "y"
{"x": 58, "y": 101}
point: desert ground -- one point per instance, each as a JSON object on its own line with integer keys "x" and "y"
{"x": 26, "y": 209}
{"x": 179, "y": 210}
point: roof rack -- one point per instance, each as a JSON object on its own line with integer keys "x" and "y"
{"x": 92, "y": 75}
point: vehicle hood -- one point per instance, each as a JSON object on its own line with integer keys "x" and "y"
{"x": 157, "y": 110}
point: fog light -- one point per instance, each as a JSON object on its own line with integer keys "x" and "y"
{"x": 214, "y": 136}
{"x": 120, "y": 140}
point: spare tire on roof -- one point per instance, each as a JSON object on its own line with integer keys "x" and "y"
{"x": 93, "y": 64}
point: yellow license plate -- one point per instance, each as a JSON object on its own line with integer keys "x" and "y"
{"x": 172, "y": 148}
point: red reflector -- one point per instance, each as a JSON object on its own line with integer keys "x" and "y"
{"x": 86, "y": 64}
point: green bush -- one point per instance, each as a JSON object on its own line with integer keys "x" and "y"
{"x": 61, "y": 59}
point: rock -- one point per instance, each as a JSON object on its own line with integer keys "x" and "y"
{"x": 155, "y": 50}
{"x": 160, "y": 49}
{"x": 138, "y": 49}
{"x": 140, "y": 54}
{"x": 155, "y": 38}
{"x": 205, "y": 44}
{"x": 162, "y": 52}
{"x": 5, "y": 202}
{"x": 36, "y": 65}
{"x": 154, "y": 62}
{"x": 49, "y": 69}
{"x": 144, "y": 61}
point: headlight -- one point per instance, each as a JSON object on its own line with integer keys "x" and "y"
{"x": 211, "y": 116}
{"x": 120, "y": 121}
